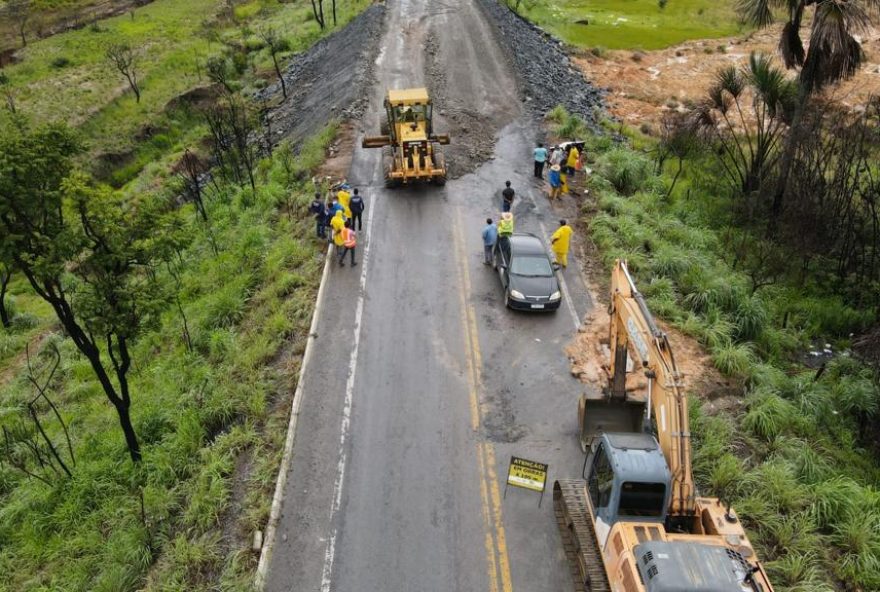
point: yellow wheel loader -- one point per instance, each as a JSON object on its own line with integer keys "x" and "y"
{"x": 635, "y": 522}
{"x": 411, "y": 149}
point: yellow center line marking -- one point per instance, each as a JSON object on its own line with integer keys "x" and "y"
{"x": 489, "y": 488}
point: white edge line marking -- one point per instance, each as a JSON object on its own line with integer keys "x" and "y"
{"x": 563, "y": 285}
{"x": 281, "y": 482}
{"x": 330, "y": 553}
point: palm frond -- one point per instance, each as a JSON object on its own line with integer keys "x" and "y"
{"x": 758, "y": 13}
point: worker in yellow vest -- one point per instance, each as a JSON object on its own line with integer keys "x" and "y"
{"x": 505, "y": 231}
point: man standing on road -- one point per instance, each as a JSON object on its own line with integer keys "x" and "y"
{"x": 540, "y": 159}
{"x": 490, "y": 235}
{"x": 560, "y": 242}
{"x": 505, "y": 231}
{"x": 338, "y": 225}
{"x": 356, "y": 205}
{"x": 349, "y": 242}
{"x": 344, "y": 198}
{"x": 556, "y": 156}
{"x": 507, "y": 196}
{"x": 317, "y": 208}
{"x": 554, "y": 177}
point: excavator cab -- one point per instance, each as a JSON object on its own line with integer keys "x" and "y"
{"x": 627, "y": 479}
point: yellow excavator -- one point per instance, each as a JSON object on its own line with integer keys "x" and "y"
{"x": 635, "y": 522}
{"x": 411, "y": 149}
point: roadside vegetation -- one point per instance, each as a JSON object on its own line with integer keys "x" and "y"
{"x": 158, "y": 274}
{"x": 635, "y": 24}
{"x": 750, "y": 221}
{"x": 175, "y": 47}
{"x": 779, "y": 311}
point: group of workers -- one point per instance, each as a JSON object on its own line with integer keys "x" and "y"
{"x": 339, "y": 215}
{"x": 565, "y": 160}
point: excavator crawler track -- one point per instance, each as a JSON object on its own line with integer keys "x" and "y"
{"x": 579, "y": 537}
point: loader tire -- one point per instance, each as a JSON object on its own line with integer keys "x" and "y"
{"x": 440, "y": 163}
{"x": 384, "y": 128}
{"x": 388, "y": 166}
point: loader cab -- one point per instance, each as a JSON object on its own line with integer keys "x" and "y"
{"x": 627, "y": 480}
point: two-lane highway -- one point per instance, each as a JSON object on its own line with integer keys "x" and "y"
{"x": 420, "y": 385}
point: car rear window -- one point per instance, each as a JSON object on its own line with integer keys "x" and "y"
{"x": 531, "y": 266}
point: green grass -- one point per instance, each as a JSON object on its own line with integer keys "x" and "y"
{"x": 207, "y": 418}
{"x": 633, "y": 24}
{"x": 796, "y": 457}
{"x": 172, "y": 37}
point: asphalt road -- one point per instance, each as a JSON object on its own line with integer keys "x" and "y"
{"x": 421, "y": 385}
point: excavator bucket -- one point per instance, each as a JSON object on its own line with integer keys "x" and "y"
{"x": 600, "y": 414}
{"x": 376, "y": 141}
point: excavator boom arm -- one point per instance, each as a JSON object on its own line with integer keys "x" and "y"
{"x": 633, "y": 325}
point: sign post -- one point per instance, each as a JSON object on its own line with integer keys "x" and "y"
{"x": 527, "y": 474}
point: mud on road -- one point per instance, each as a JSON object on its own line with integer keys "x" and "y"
{"x": 331, "y": 80}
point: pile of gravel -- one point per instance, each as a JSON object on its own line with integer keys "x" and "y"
{"x": 549, "y": 78}
{"x": 329, "y": 80}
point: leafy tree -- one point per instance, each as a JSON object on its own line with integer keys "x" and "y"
{"x": 277, "y": 44}
{"x": 833, "y": 53}
{"x": 123, "y": 58}
{"x": 87, "y": 252}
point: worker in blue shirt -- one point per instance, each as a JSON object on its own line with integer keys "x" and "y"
{"x": 540, "y": 159}
{"x": 490, "y": 235}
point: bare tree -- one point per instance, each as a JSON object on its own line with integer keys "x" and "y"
{"x": 218, "y": 71}
{"x": 122, "y": 56}
{"x": 277, "y": 44}
{"x": 5, "y": 276}
{"x": 20, "y": 12}
{"x": 232, "y": 126}
{"x": 318, "y": 11}
{"x": 190, "y": 173}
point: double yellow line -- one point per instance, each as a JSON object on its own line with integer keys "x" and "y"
{"x": 497, "y": 562}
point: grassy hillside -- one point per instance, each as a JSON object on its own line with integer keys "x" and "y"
{"x": 69, "y": 78}
{"x": 632, "y": 24}
{"x": 793, "y": 448}
{"x": 211, "y": 419}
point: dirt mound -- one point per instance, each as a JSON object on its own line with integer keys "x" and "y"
{"x": 589, "y": 355}
{"x": 642, "y": 86}
{"x": 330, "y": 80}
{"x": 548, "y": 76}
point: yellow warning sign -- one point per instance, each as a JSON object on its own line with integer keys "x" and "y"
{"x": 527, "y": 474}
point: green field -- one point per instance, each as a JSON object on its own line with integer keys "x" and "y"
{"x": 633, "y": 24}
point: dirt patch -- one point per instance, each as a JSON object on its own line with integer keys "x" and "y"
{"x": 472, "y": 133}
{"x": 589, "y": 355}
{"x": 329, "y": 81}
{"x": 339, "y": 154}
{"x": 546, "y": 71}
{"x": 643, "y": 86}
{"x": 199, "y": 98}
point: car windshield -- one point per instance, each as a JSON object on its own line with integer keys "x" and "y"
{"x": 531, "y": 266}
